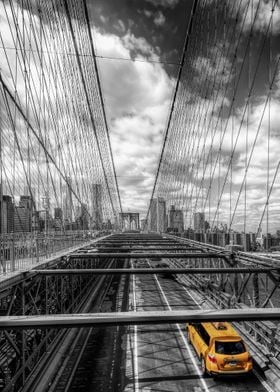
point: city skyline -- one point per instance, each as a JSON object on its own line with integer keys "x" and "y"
{"x": 23, "y": 216}
{"x": 201, "y": 231}
{"x": 160, "y": 212}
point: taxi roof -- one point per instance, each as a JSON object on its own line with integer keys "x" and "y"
{"x": 228, "y": 332}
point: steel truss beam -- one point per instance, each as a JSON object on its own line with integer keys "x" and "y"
{"x": 250, "y": 257}
{"x": 22, "y": 350}
{"x": 145, "y": 248}
{"x": 133, "y": 318}
{"x": 140, "y": 243}
{"x": 135, "y": 241}
{"x": 138, "y": 238}
{"x": 130, "y": 271}
{"x": 164, "y": 255}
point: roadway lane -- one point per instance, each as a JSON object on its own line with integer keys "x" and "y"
{"x": 158, "y": 358}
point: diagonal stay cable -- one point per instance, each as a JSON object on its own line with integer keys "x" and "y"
{"x": 241, "y": 123}
{"x": 255, "y": 140}
{"x": 186, "y": 44}
{"x": 101, "y": 99}
{"x": 268, "y": 196}
{"x": 87, "y": 97}
{"x": 7, "y": 90}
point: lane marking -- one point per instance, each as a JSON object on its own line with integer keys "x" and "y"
{"x": 135, "y": 339}
{"x": 205, "y": 386}
{"x": 258, "y": 376}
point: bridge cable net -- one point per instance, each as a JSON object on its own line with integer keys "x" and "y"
{"x": 58, "y": 179}
{"x": 219, "y": 156}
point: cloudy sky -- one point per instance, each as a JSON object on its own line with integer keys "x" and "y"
{"x": 138, "y": 93}
{"x": 138, "y": 96}
{"x": 226, "y": 115}
{"x": 222, "y": 154}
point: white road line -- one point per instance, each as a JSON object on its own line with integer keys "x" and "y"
{"x": 135, "y": 352}
{"x": 183, "y": 338}
{"x": 259, "y": 377}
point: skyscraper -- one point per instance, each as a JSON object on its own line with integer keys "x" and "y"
{"x": 23, "y": 214}
{"x": 22, "y": 219}
{"x": 96, "y": 199}
{"x": 199, "y": 221}
{"x": 26, "y": 202}
{"x": 58, "y": 218}
{"x": 161, "y": 215}
{"x": 176, "y": 220}
{"x": 6, "y": 214}
{"x": 83, "y": 219}
{"x": 68, "y": 202}
{"x": 58, "y": 213}
{"x": 157, "y": 215}
{"x": 143, "y": 224}
{"x": 30, "y": 192}
{"x": 152, "y": 218}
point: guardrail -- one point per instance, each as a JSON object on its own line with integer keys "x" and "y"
{"x": 251, "y": 257}
{"x": 21, "y": 251}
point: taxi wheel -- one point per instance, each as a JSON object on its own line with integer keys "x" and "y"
{"x": 203, "y": 367}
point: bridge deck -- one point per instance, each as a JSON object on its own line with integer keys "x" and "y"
{"x": 142, "y": 342}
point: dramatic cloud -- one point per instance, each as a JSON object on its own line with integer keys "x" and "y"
{"x": 159, "y": 19}
{"x": 261, "y": 12}
{"x": 137, "y": 95}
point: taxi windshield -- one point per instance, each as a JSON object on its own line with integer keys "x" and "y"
{"x": 230, "y": 348}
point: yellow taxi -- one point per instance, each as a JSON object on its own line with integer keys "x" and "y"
{"x": 219, "y": 348}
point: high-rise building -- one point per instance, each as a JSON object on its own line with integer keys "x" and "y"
{"x": 108, "y": 225}
{"x": 199, "y": 221}
{"x": 161, "y": 215}
{"x": 157, "y": 215}
{"x": 29, "y": 201}
{"x": 253, "y": 241}
{"x": 6, "y": 214}
{"x": 236, "y": 238}
{"x": 26, "y": 202}
{"x": 260, "y": 238}
{"x": 152, "y": 218}
{"x": 31, "y": 192}
{"x": 246, "y": 242}
{"x": 35, "y": 221}
{"x": 176, "y": 220}
{"x": 58, "y": 218}
{"x": 22, "y": 220}
{"x": 83, "y": 219}
{"x": 58, "y": 213}
{"x": 96, "y": 199}
{"x": 68, "y": 202}
{"x": 143, "y": 224}
{"x": 23, "y": 214}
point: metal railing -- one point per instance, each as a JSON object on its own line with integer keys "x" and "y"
{"x": 23, "y": 250}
